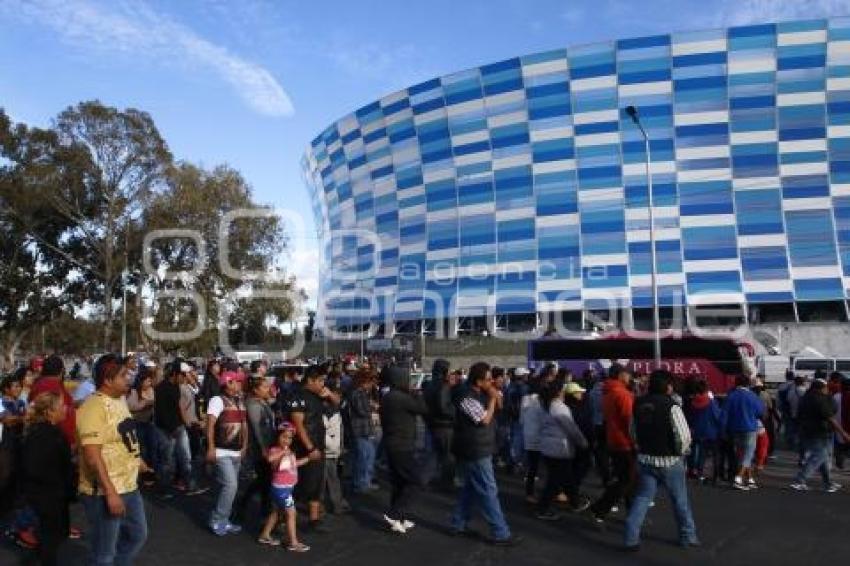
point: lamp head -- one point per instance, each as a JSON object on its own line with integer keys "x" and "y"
{"x": 632, "y": 113}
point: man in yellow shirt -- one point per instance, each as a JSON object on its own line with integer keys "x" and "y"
{"x": 109, "y": 468}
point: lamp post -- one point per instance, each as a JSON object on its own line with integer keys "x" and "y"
{"x": 632, "y": 112}
{"x": 124, "y": 277}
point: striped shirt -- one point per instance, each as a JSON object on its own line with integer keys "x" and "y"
{"x": 682, "y": 436}
{"x": 473, "y": 409}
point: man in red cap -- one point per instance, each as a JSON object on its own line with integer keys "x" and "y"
{"x": 51, "y": 380}
{"x": 37, "y": 364}
{"x": 227, "y": 442}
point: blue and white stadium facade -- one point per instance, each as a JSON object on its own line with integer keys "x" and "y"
{"x": 520, "y": 188}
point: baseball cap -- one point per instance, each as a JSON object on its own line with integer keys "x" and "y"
{"x": 228, "y": 376}
{"x": 572, "y": 388}
{"x": 36, "y": 363}
{"x": 521, "y": 371}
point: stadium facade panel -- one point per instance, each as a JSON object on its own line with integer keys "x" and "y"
{"x": 520, "y": 186}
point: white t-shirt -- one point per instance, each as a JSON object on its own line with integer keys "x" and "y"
{"x": 214, "y": 408}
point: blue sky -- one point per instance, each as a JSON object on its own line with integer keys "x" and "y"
{"x": 251, "y": 82}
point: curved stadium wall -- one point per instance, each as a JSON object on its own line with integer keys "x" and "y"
{"x": 520, "y": 186}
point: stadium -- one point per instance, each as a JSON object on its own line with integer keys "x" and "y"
{"x": 516, "y": 193}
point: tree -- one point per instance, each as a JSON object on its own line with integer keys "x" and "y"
{"x": 120, "y": 161}
{"x": 33, "y": 276}
{"x": 197, "y": 200}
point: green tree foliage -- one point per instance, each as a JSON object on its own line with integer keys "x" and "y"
{"x": 119, "y": 160}
{"x": 33, "y": 273}
{"x": 76, "y": 202}
{"x": 197, "y": 200}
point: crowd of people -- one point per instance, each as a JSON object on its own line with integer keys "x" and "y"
{"x": 310, "y": 438}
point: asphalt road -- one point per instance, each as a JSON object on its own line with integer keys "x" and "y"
{"x": 773, "y": 525}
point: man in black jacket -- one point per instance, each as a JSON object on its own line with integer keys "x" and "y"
{"x": 474, "y": 440}
{"x": 441, "y": 419}
{"x": 817, "y": 424}
{"x": 399, "y": 411}
{"x": 662, "y": 437}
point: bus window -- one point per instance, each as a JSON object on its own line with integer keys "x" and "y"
{"x": 842, "y": 364}
{"x": 813, "y": 364}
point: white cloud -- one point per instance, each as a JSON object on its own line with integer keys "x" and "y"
{"x": 133, "y": 28}
{"x": 302, "y": 261}
{"x": 386, "y": 67}
{"x": 740, "y": 12}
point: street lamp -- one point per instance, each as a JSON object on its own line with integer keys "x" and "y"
{"x": 632, "y": 112}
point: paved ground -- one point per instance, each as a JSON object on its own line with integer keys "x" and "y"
{"x": 773, "y": 525}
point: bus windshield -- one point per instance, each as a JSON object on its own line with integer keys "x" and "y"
{"x": 717, "y": 360}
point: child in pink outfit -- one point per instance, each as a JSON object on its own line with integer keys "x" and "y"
{"x": 284, "y": 466}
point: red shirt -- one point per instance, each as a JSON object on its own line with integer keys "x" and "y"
{"x": 617, "y": 403}
{"x": 68, "y": 427}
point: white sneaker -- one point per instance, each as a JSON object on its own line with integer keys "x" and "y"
{"x": 751, "y": 483}
{"x": 395, "y": 525}
{"x": 833, "y": 487}
{"x": 799, "y": 486}
{"x": 739, "y": 484}
{"x": 407, "y": 524}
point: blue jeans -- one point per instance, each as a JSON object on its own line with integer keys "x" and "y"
{"x": 673, "y": 480}
{"x": 148, "y": 443}
{"x": 364, "y": 462}
{"x": 115, "y": 540}
{"x": 745, "y": 447}
{"x": 699, "y": 450}
{"x": 227, "y": 475}
{"x": 479, "y": 487}
{"x": 173, "y": 447}
{"x": 517, "y": 444}
{"x": 817, "y": 458}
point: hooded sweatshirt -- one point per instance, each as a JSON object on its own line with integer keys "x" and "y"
{"x": 703, "y": 416}
{"x": 559, "y": 433}
{"x": 617, "y": 404}
{"x": 741, "y": 412}
{"x": 399, "y": 409}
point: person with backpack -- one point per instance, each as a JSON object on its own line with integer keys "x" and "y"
{"x": 334, "y": 439}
